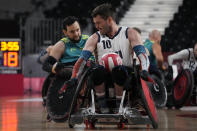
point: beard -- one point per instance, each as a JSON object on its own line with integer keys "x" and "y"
{"x": 106, "y": 31}
{"x": 74, "y": 40}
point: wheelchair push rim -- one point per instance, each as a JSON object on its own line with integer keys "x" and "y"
{"x": 74, "y": 105}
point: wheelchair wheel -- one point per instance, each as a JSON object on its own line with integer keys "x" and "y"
{"x": 45, "y": 87}
{"x": 158, "y": 92}
{"x": 146, "y": 97}
{"x": 80, "y": 98}
{"x": 183, "y": 87}
{"x": 149, "y": 103}
{"x": 58, "y": 105}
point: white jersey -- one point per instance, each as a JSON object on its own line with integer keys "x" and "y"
{"x": 187, "y": 55}
{"x": 118, "y": 44}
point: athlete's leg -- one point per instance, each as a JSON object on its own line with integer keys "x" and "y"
{"x": 119, "y": 77}
{"x": 98, "y": 77}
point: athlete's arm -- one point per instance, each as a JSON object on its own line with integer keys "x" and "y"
{"x": 181, "y": 55}
{"x": 57, "y": 50}
{"x": 48, "y": 49}
{"x": 136, "y": 43}
{"x": 54, "y": 56}
{"x": 85, "y": 55}
{"x": 91, "y": 43}
{"x": 147, "y": 52}
{"x": 158, "y": 54}
{"x": 44, "y": 54}
{"x": 138, "y": 47}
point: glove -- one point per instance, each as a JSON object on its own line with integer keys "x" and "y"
{"x": 68, "y": 85}
{"x": 195, "y": 73}
{"x": 146, "y": 76}
{"x": 169, "y": 74}
{"x": 59, "y": 67}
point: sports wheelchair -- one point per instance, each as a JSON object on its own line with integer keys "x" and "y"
{"x": 58, "y": 104}
{"x": 83, "y": 106}
{"x": 180, "y": 86}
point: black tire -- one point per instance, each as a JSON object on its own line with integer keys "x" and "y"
{"x": 75, "y": 105}
{"x": 58, "y": 106}
{"x": 45, "y": 87}
{"x": 158, "y": 92}
{"x": 182, "y": 88}
{"x": 169, "y": 88}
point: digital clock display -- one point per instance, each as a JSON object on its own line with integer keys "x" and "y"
{"x": 10, "y": 55}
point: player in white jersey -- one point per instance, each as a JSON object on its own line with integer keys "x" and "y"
{"x": 189, "y": 61}
{"x": 111, "y": 38}
{"x": 189, "y": 57}
{"x": 118, "y": 44}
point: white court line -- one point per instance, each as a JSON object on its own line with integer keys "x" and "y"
{"x": 189, "y": 108}
{"x": 27, "y": 100}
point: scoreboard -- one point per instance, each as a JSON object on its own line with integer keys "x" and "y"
{"x": 10, "y": 56}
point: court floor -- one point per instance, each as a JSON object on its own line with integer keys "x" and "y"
{"x": 27, "y": 114}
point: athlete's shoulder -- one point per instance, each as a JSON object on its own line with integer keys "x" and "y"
{"x": 65, "y": 40}
{"x": 85, "y": 37}
{"x": 147, "y": 41}
{"x": 190, "y": 49}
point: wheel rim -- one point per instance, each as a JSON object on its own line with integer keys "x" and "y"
{"x": 180, "y": 87}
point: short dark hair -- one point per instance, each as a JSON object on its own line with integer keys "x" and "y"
{"x": 104, "y": 10}
{"x": 69, "y": 21}
{"x": 137, "y": 29}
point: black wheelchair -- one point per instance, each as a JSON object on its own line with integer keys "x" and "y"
{"x": 58, "y": 104}
{"x": 83, "y": 106}
{"x": 158, "y": 90}
{"x": 45, "y": 87}
{"x": 180, "y": 89}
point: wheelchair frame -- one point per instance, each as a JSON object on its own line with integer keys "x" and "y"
{"x": 125, "y": 115}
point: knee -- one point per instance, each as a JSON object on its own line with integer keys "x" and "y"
{"x": 119, "y": 75}
{"x": 98, "y": 75}
{"x": 65, "y": 73}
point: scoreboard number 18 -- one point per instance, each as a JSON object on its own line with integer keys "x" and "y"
{"x": 10, "y": 55}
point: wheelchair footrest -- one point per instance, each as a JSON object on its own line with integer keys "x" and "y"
{"x": 76, "y": 119}
{"x": 131, "y": 116}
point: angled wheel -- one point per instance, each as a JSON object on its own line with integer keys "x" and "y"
{"x": 58, "y": 105}
{"x": 146, "y": 96}
{"x": 159, "y": 92}
{"x": 80, "y": 96}
{"x": 183, "y": 87}
{"x": 45, "y": 87}
{"x": 149, "y": 103}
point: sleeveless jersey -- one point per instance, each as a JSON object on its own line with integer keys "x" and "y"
{"x": 72, "y": 50}
{"x": 187, "y": 55}
{"x": 119, "y": 44}
{"x": 191, "y": 62}
{"x": 148, "y": 44}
